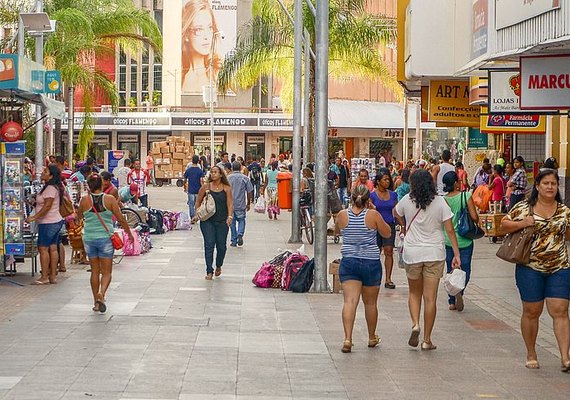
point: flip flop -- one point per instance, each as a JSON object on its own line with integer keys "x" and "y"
{"x": 532, "y": 364}
{"x": 102, "y": 306}
{"x": 426, "y": 346}
{"x": 566, "y": 368}
{"x": 414, "y": 337}
{"x": 39, "y": 283}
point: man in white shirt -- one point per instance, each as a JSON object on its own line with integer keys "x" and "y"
{"x": 123, "y": 172}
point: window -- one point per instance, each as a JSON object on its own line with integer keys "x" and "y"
{"x": 122, "y": 58}
{"x": 157, "y": 77}
{"x": 145, "y": 77}
{"x": 133, "y": 78}
{"x": 122, "y": 99}
{"x": 122, "y": 78}
{"x": 158, "y": 18}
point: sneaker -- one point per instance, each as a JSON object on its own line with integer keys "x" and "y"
{"x": 233, "y": 244}
{"x": 240, "y": 240}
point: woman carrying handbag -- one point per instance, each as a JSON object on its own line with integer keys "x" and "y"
{"x": 546, "y": 277}
{"x": 458, "y": 201}
{"x": 98, "y": 209}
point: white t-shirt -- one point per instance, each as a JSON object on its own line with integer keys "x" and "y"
{"x": 424, "y": 241}
{"x": 121, "y": 173}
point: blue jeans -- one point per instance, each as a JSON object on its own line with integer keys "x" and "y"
{"x": 465, "y": 254}
{"x": 256, "y": 189}
{"x": 238, "y": 225}
{"x": 192, "y": 204}
{"x": 343, "y": 195}
{"x": 215, "y": 236}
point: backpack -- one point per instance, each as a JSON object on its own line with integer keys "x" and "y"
{"x": 132, "y": 248}
{"x": 303, "y": 281}
{"x": 291, "y": 268}
{"x": 255, "y": 175}
{"x": 156, "y": 221}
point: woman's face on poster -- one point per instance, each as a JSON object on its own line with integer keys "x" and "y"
{"x": 201, "y": 33}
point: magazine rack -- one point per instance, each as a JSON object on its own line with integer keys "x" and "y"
{"x": 13, "y": 211}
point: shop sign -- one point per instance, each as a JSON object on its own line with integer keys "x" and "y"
{"x": 123, "y": 121}
{"x": 128, "y": 138}
{"x": 512, "y": 12}
{"x": 392, "y": 133}
{"x": 204, "y": 140}
{"x": 157, "y": 138}
{"x": 20, "y": 73}
{"x": 477, "y": 140}
{"x": 256, "y": 139}
{"x": 52, "y": 83}
{"x": 8, "y": 74}
{"x": 275, "y": 122}
{"x": 218, "y": 121}
{"x": 449, "y": 102}
{"x": 545, "y": 83}
{"x": 504, "y": 91}
{"x": 12, "y": 131}
{"x": 479, "y": 27}
{"x": 513, "y": 123}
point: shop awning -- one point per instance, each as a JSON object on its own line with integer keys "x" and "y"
{"x": 372, "y": 115}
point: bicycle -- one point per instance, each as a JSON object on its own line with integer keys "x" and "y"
{"x": 306, "y": 222}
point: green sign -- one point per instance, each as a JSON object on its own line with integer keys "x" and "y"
{"x": 477, "y": 140}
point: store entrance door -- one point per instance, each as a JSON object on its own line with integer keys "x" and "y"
{"x": 254, "y": 147}
{"x": 130, "y": 143}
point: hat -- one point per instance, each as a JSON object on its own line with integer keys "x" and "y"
{"x": 134, "y": 188}
{"x": 422, "y": 163}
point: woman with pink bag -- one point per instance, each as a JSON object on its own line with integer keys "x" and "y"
{"x": 98, "y": 209}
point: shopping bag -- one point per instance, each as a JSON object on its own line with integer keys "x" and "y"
{"x": 481, "y": 197}
{"x": 454, "y": 283}
{"x": 259, "y": 206}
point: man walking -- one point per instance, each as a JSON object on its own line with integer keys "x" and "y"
{"x": 255, "y": 176}
{"x": 123, "y": 172}
{"x": 343, "y": 181}
{"x": 142, "y": 179}
{"x": 241, "y": 192}
{"x": 193, "y": 181}
{"x": 438, "y": 171}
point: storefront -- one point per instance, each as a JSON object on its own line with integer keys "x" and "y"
{"x": 101, "y": 141}
{"x": 254, "y": 146}
{"x": 130, "y": 142}
{"x": 155, "y": 137}
{"x": 201, "y": 142}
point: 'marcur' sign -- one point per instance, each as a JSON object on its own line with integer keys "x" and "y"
{"x": 545, "y": 83}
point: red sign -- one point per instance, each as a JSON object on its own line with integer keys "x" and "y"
{"x": 12, "y": 131}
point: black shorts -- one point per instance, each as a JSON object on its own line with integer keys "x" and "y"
{"x": 391, "y": 241}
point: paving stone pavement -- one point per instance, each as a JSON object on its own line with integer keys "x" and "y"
{"x": 169, "y": 334}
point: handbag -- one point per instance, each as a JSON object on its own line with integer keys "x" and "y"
{"x": 401, "y": 263}
{"x": 116, "y": 240}
{"x": 465, "y": 225}
{"x": 208, "y": 207}
{"x": 65, "y": 205}
{"x": 516, "y": 246}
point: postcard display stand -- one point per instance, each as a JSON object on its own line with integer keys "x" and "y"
{"x": 13, "y": 211}
{"x": 369, "y": 164}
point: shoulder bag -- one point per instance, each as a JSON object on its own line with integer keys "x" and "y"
{"x": 516, "y": 246}
{"x": 115, "y": 238}
{"x": 207, "y": 208}
{"x": 401, "y": 263}
{"x": 65, "y": 204}
{"x": 466, "y": 227}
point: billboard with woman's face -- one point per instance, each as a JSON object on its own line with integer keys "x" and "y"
{"x": 209, "y": 29}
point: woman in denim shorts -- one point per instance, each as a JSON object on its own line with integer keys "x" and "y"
{"x": 360, "y": 268}
{"x": 96, "y": 236}
{"x": 547, "y": 275}
{"x": 49, "y": 223}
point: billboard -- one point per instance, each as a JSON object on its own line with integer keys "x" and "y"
{"x": 209, "y": 31}
{"x": 512, "y": 12}
{"x": 545, "y": 82}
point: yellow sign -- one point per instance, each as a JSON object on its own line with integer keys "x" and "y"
{"x": 512, "y": 123}
{"x": 449, "y": 102}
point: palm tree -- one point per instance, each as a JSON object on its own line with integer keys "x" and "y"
{"x": 86, "y": 30}
{"x": 265, "y": 47}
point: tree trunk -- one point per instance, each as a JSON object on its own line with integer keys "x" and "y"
{"x": 57, "y": 132}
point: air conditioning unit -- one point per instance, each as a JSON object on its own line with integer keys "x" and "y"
{"x": 107, "y": 108}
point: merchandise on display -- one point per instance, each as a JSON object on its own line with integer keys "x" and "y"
{"x": 369, "y": 164}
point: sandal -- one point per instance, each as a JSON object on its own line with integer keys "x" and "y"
{"x": 218, "y": 271}
{"x": 390, "y": 285}
{"x": 209, "y": 276}
{"x": 38, "y": 282}
{"x": 452, "y": 307}
{"x": 414, "y": 337}
{"x": 347, "y": 346}
{"x": 102, "y": 306}
{"x": 566, "y": 367}
{"x": 375, "y": 341}
{"x": 532, "y": 364}
{"x": 428, "y": 346}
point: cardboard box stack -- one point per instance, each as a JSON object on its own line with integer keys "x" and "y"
{"x": 171, "y": 157}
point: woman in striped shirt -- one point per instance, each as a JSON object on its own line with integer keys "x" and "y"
{"x": 360, "y": 268}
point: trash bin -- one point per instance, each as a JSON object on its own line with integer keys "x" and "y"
{"x": 285, "y": 190}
